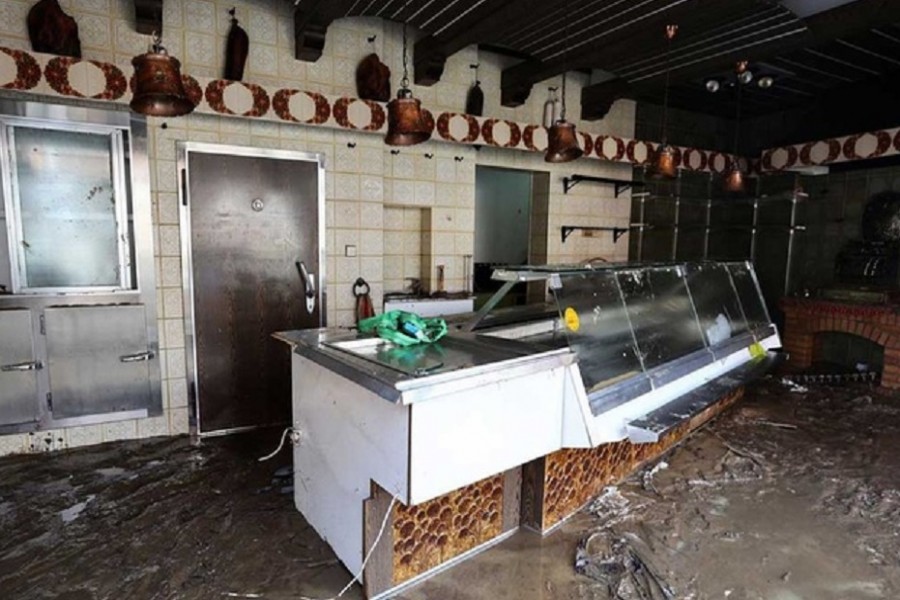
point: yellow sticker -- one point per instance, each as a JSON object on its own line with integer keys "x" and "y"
{"x": 756, "y": 350}
{"x": 571, "y": 318}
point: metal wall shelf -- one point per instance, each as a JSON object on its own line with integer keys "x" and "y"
{"x": 566, "y": 231}
{"x": 620, "y": 185}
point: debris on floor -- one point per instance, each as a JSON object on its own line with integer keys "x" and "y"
{"x": 786, "y": 496}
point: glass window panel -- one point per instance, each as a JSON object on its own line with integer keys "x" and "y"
{"x": 718, "y": 308}
{"x": 661, "y": 314}
{"x": 749, "y": 295}
{"x": 601, "y": 335}
{"x": 67, "y": 208}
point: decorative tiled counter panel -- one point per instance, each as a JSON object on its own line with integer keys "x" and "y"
{"x": 558, "y": 485}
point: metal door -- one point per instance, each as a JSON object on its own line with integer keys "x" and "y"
{"x": 18, "y": 369}
{"x": 253, "y": 230}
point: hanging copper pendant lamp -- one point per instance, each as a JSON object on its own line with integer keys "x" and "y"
{"x": 735, "y": 182}
{"x": 663, "y": 164}
{"x": 406, "y": 121}
{"x": 158, "y": 88}
{"x": 562, "y": 142}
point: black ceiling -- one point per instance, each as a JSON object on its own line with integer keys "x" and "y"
{"x": 623, "y": 41}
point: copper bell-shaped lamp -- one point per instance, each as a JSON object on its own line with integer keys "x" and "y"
{"x": 562, "y": 142}
{"x": 735, "y": 182}
{"x": 158, "y": 88}
{"x": 406, "y": 121}
{"x": 663, "y": 163}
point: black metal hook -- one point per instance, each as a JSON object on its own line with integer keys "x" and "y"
{"x": 395, "y": 152}
{"x": 351, "y": 144}
{"x": 371, "y": 39}
{"x": 429, "y": 155}
{"x": 458, "y": 158}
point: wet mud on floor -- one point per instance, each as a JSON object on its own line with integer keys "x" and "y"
{"x": 788, "y": 496}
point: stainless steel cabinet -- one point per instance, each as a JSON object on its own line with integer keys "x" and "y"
{"x": 78, "y": 304}
{"x": 97, "y": 360}
{"x": 18, "y": 369}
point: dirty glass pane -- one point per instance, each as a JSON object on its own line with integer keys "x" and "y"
{"x": 661, "y": 314}
{"x": 749, "y": 295}
{"x": 67, "y": 208}
{"x": 597, "y": 328}
{"x": 718, "y": 308}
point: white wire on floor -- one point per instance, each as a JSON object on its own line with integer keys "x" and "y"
{"x": 284, "y": 435}
{"x": 362, "y": 568}
{"x": 384, "y": 522}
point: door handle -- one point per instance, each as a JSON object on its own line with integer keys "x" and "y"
{"x": 139, "y": 357}
{"x": 34, "y": 365}
{"x": 309, "y": 283}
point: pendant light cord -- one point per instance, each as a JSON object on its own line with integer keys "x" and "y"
{"x": 670, "y": 34}
{"x": 405, "y": 81}
{"x": 737, "y": 122}
{"x": 562, "y": 112}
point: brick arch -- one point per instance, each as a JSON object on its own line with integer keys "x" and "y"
{"x": 804, "y": 318}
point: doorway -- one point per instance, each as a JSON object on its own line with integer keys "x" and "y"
{"x": 511, "y": 208}
{"x": 252, "y": 222}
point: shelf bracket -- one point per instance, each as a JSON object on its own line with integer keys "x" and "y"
{"x": 617, "y": 232}
{"x": 619, "y": 185}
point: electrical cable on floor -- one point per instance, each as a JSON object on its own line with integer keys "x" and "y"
{"x": 284, "y": 435}
{"x": 362, "y": 568}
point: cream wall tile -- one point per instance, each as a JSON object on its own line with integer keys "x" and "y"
{"x": 178, "y": 421}
{"x": 120, "y": 430}
{"x": 358, "y": 180}
{"x": 15, "y": 443}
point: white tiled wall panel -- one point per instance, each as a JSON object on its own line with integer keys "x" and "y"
{"x": 404, "y": 212}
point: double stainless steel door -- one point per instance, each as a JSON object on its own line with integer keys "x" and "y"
{"x": 253, "y": 226}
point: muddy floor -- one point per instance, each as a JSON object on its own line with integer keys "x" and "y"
{"x": 790, "y": 495}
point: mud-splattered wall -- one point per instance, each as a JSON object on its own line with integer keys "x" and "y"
{"x": 361, "y": 180}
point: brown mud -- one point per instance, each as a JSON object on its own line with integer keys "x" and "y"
{"x": 787, "y": 496}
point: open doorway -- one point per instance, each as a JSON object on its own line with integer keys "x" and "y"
{"x": 511, "y": 208}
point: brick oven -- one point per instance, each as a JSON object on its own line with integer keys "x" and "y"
{"x": 807, "y": 319}
{"x": 854, "y": 324}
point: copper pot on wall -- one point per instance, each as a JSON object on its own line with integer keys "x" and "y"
{"x": 158, "y": 89}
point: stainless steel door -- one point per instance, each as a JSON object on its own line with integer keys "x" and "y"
{"x": 18, "y": 369}
{"x": 98, "y": 360}
{"x": 254, "y": 270}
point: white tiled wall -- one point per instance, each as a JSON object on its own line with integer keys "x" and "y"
{"x": 364, "y": 179}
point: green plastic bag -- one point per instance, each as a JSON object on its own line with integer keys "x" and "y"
{"x": 404, "y": 328}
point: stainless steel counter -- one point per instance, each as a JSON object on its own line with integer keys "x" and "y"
{"x": 410, "y": 374}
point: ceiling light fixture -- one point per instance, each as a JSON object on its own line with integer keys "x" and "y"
{"x": 158, "y": 87}
{"x": 663, "y": 165}
{"x": 765, "y": 82}
{"x": 712, "y": 85}
{"x": 562, "y": 143}
{"x": 407, "y": 125}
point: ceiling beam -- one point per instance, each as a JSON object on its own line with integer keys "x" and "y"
{"x": 311, "y": 21}
{"x": 619, "y": 36}
{"x": 483, "y": 20}
{"x": 148, "y": 16}
{"x": 821, "y": 28}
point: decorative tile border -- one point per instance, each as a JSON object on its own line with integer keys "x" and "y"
{"x": 88, "y": 79}
{"x": 859, "y": 146}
